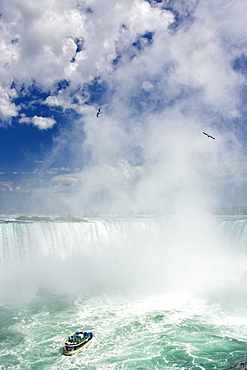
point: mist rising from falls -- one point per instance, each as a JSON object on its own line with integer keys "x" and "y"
{"x": 193, "y": 253}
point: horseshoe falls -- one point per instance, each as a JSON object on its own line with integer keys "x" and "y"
{"x": 157, "y": 293}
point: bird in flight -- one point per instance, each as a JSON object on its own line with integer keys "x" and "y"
{"x": 99, "y": 112}
{"x": 208, "y": 135}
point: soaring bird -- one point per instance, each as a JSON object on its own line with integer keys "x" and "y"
{"x": 208, "y": 135}
{"x": 99, "y": 112}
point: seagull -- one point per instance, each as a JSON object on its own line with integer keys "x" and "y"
{"x": 99, "y": 112}
{"x": 208, "y": 135}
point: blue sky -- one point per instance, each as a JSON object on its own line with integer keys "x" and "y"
{"x": 162, "y": 71}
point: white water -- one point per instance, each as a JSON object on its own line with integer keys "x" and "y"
{"x": 157, "y": 293}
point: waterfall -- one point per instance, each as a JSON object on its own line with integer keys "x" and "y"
{"x": 77, "y": 255}
{"x": 235, "y": 232}
{"x": 22, "y": 240}
{"x": 148, "y": 252}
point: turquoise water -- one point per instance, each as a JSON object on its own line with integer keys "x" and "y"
{"x": 165, "y": 331}
{"x": 149, "y": 304}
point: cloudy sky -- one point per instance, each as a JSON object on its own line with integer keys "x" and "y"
{"x": 163, "y": 72}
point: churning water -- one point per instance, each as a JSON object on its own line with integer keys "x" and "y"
{"x": 157, "y": 293}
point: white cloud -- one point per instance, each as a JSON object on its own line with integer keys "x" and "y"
{"x": 7, "y": 108}
{"x": 65, "y": 179}
{"x": 192, "y": 57}
{"x": 42, "y": 123}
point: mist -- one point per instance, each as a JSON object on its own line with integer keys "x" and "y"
{"x": 185, "y": 253}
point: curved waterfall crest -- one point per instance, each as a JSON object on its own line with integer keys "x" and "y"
{"x": 20, "y": 240}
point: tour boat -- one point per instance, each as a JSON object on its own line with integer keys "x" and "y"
{"x": 77, "y": 342}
